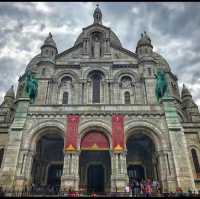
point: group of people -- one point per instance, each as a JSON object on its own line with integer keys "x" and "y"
{"x": 147, "y": 187}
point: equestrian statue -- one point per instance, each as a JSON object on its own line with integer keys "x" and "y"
{"x": 31, "y": 86}
{"x": 161, "y": 84}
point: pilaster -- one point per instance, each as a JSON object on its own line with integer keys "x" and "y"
{"x": 119, "y": 177}
{"x": 177, "y": 139}
{"x": 70, "y": 177}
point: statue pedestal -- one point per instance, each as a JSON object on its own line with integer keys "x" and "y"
{"x": 183, "y": 171}
{"x": 13, "y": 148}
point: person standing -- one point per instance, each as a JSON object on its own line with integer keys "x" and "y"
{"x": 148, "y": 188}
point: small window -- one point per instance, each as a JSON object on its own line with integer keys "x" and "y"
{"x": 65, "y": 98}
{"x": 196, "y": 162}
{"x": 1, "y": 156}
{"x": 47, "y": 51}
{"x": 149, "y": 71}
{"x": 43, "y": 71}
{"x": 127, "y": 99}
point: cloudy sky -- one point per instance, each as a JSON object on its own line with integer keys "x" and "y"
{"x": 173, "y": 28}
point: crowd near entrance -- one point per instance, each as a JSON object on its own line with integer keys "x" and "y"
{"x": 136, "y": 171}
{"x": 48, "y": 163}
{"x": 142, "y": 163}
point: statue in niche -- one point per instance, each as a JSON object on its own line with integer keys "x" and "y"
{"x": 96, "y": 46}
{"x": 85, "y": 43}
{"x": 126, "y": 82}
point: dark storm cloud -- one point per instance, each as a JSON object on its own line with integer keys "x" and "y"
{"x": 173, "y": 28}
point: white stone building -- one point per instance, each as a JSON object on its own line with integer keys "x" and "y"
{"x": 96, "y": 82}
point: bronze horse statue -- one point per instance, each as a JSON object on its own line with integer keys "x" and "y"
{"x": 161, "y": 84}
{"x": 31, "y": 86}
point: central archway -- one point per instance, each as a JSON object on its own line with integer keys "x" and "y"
{"x": 48, "y": 161}
{"x": 94, "y": 162}
{"x": 141, "y": 159}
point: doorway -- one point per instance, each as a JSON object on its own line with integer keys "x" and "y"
{"x": 95, "y": 178}
{"x": 136, "y": 172}
{"x": 48, "y": 161}
{"x": 95, "y": 171}
{"x": 54, "y": 176}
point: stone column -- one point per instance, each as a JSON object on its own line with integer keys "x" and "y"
{"x": 13, "y": 148}
{"x": 70, "y": 177}
{"x": 183, "y": 171}
{"x": 119, "y": 177}
{"x": 89, "y": 92}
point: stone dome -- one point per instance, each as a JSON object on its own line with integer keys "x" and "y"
{"x": 161, "y": 61}
{"x": 33, "y": 61}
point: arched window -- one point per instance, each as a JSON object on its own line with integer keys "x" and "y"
{"x": 1, "y": 156}
{"x": 149, "y": 71}
{"x": 65, "y": 98}
{"x": 96, "y": 77}
{"x": 96, "y": 80}
{"x": 127, "y": 99}
{"x": 196, "y": 162}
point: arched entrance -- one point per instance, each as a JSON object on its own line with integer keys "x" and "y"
{"x": 141, "y": 159}
{"x": 94, "y": 163}
{"x": 48, "y": 161}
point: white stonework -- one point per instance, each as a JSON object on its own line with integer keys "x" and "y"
{"x": 172, "y": 125}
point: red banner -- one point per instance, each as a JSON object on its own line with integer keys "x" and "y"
{"x": 94, "y": 141}
{"x": 71, "y": 132}
{"x": 118, "y": 132}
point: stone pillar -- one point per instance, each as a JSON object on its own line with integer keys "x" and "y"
{"x": 13, "y": 148}
{"x": 70, "y": 177}
{"x": 183, "y": 171}
{"x": 119, "y": 177}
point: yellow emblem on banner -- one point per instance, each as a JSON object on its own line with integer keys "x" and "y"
{"x": 70, "y": 148}
{"x": 94, "y": 146}
{"x": 118, "y": 148}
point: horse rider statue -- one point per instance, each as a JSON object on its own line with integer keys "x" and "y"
{"x": 161, "y": 84}
{"x": 31, "y": 86}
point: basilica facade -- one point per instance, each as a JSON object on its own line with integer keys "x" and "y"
{"x": 96, "y": 123}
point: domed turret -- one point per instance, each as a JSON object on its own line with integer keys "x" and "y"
{"x": 97, "y": 15}
{"x": 9, "y": 97}
{"x": 189, "y": 106}
{"x": 144, "y": 46}
{"x": 186, "y": 98}
{"x": 185, "y": 92}
{"x": 10, "y": 93}
{"x": 49, "y": 49}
